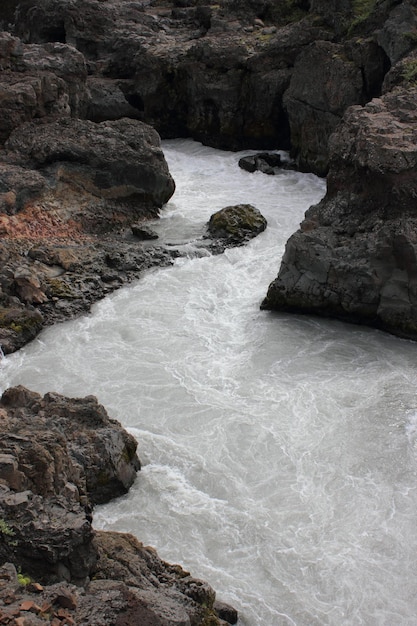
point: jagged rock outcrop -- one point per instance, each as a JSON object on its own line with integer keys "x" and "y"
{"x": 186, "y": 70}
{"x": 354, "y": 256}
{"x": 267, "y": 162}
{"x": 39, "y": 81}
{"x": 327, "y": 78}
{"x": 64, "y": 182}
{"x": 58, "y": 457}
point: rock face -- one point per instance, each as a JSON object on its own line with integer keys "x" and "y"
{"x": 114, "y": 166}
{"x": 58, "y": 457}
{"x": 216, "y": 72}
{"x": 354, "y": 256}
{"x": 327, "y": 78}
{"x": 63, "y": 184}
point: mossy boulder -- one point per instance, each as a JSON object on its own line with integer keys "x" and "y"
{"x": 237, "y": 224}
{"x": 18, "y": 326}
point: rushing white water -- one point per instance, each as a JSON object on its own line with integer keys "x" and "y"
{"x": 279, "y": 452}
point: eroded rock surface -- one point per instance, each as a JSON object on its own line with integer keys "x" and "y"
{"x": 58, "y": 457}
{"x": 354, "y": 256}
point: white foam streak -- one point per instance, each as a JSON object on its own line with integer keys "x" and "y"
{"x": 279, "y": 452}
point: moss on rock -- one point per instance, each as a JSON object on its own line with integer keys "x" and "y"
{"x": 237, "y": 223}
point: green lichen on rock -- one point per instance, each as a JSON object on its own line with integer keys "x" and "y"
{"x": 409, "y": 72}
{"x": 20, "y": 320}
{"x": 361, "y": 10}
{"x": 237, "y": 223}
{"x": 58, "y": 288}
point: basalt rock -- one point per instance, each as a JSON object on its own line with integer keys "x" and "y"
{"x": 78, "y": 450}
{"x": 186, "y": 70}
{"x": 267, "y": 163}
{"x": 19, "y": 324}
{"x": 114, "y": 168}
{"x": 39, "y": 81}
{"x": 63, "y": 185}
{"x": 354, "y": 256}
{"x": 327, "y": 78}
{"x": 59, "y": 456}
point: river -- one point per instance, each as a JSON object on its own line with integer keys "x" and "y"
{"x": 279, "y": 451}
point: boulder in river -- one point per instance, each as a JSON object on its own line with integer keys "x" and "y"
{"x": 266, "y": 162}
{"x": 236, "y": 224}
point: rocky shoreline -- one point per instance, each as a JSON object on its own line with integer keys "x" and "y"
{"x": 87, "y": 88}
{"x": 58, "y": 458}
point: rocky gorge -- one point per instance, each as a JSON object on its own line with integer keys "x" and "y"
{"x": 87, "y": 90}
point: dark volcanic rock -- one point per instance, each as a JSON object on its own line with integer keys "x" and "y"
{"x": 39, "y": 81}
{"x": 160, "y": 593}
{"x": 262, "y": 162}
{"x": 355, "y": 254}
{"x": 18, "y": 326}
{"x": 114, "y": 164}
{"x": 76, "y": 443}
{"x": 58, "y": 456}
{"x": 327, "y": 78}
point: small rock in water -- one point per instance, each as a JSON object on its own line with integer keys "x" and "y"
{"x": 226, "y": 612}
{"x": 143, "y": 232}
{"x": 266, "y": 162}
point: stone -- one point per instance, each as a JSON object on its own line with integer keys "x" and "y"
{"x": 327, "y": 79}
{"x": 226, "y": 612}
{"x": 18, "y": 326}
{"x": 268, "y": 163}
{"x": 142, "y": 232}
{"x": 237, "y": 224}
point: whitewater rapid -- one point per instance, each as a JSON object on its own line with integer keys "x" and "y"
{"x": 279, "y": 452}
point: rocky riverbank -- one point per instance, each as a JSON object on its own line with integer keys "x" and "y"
{"x": 59, "y": 457}
{"x": 87, "y": 88}
{"x": 81, "y": 82}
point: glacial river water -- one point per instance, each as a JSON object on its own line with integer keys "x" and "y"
{"x": 279, "y": 452}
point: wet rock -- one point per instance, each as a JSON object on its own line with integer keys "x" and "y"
{"x": 236, "y": 224}
{"x": 268, "y": 163}
{"x": 163, "y": 594}
{"x": 18, "y": 326}
{"x": 58, "y": 457}
{"x": 76, "y": 443}
{"x": 226, "y": 612}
